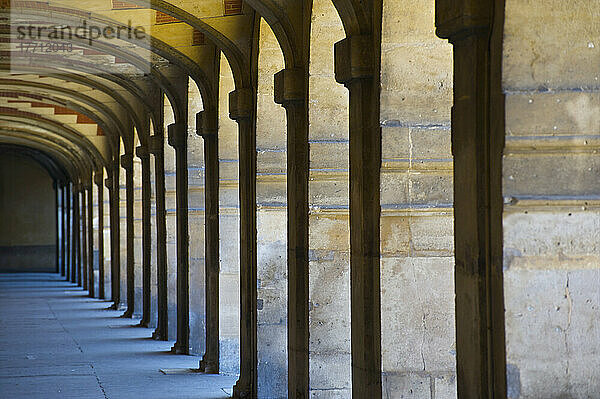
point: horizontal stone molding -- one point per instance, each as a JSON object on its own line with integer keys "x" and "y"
{"x": 552, "y": 145}
{"x": 518, "y": 204}
{"x": 561, "y": 262}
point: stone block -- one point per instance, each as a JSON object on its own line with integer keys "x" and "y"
{"x": 445, "y": 387}
{"x": 330, "y": 371}
{"x": 329, "y": 309}
{"x": 322, "y": 155}
{"x": 395, "y": 236}
{"x": 559, "y": 174}
{"x": 552, "y": 113}
{"x": 417, "y": 302}
{"x": 433, "y": 235}
{"x": 329, "y": 231}
{"x": 394, "y": 188}
{"x": 569, "y": 232}
{"x": 329, "y": 191}
{"x": 416, "y": 84}
{"x": 395, "y": 142}
{"x": 540, "y": 49}
{"x": 432, "y": 188}
{"x": 406, "y": 385}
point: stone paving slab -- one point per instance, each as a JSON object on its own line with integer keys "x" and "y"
{"x": 55, "y": 342}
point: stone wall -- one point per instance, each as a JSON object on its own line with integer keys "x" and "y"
{"x": 417, "y": 279}
{"x": 551, "y": 188}
{"x": 229, "y": 228}
{"x": 329, "y": 224}
{"x": 271, "y": 192}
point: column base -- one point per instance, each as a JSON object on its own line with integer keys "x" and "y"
{"x": 241, "y": 389}
{"x": 114, "y": 306}
{"x": 208, "y": 367}
{"x": 179, "y": 349}
{"x": 127, "y": 315}
{"x": 143, "y": 324}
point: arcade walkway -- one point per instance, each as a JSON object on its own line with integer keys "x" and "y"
{"x": 57, "y": 343}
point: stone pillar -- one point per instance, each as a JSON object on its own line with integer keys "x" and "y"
{"x": 242, "y": 104}
{"x": 90, "y": 239}
{"x": 291, "y": 92}
{"x": 57, "y": 215}
{"x": 63, "y": 228}
{"x": 68, "y": 225}
{"x": 98, "y": 176}
{"x": 83, "y": 271}
{"x": 127, "y": 164}
{"x": 112, "y": 183}
{"x": 178, "y": 140}
{"x": 144, "y": 155}
{"x": 75, "y": 250}
{"x": 475, "y": 28}
{"x": 206, "y": 126}
{"x": 156, "y": 147}
{"x": 355, "y": 68}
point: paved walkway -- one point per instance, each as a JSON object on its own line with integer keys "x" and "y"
{"x": 57, "y": 343}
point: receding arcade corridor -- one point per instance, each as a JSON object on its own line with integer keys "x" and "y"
{"x": 56, "y": 342}
{"x": 303, "y": 199}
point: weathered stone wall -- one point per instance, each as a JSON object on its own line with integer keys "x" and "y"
{"x": 122, "y": 234}
{"x": 196, "y": 223}
{"x": 329, "y": 224}
{"x": 551, "y": 187}
{"x": 229, "y": 228}
{"x": 107, "y": 246}
{"x": 137, "y": 236}
{"x": 171, "y": 218}
{"x": 417, "y": 279}
{"x": 153, "y": 246}
{"x": 271, "y": 216}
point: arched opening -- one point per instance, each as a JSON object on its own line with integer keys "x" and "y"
{"x": 28, "y": 213}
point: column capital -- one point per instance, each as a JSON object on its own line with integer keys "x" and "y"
{"x": 354, "y": 58}
{"x": 142, "y": 152}
{"x": 206, "y": 124}
{"x": 241, "y": 104}
{"x": 127, "y": 161}
{"x": 156, "y": 145}
{"x": 177, "y": 135}
{"x": 77, "y": 186}
{"x": 460, "y": 18}
{"x": 289, "y": 86}
{"x": 108, "y": 182}
{"x": 99, "y": 177}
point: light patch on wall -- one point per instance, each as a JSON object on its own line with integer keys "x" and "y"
{"x": 585, "y": 113}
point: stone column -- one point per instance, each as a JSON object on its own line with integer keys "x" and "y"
{"x": 144, "y": 155}
{"x": 356, "y": 69}
{"x": 68, "y": 257}
{"x": 157, "y": 149}
{"x": 206, "y": 126}
{"x": 76, "y": 254}
{"x": 291, "y": 92}
{"x": 112, "y": 183}
{"x": 99, "y": 175}
{"x": 127, "y": 164}
{"x": 90, "y": 239}
{"x": 475, "y": 28}
{"x": 63, "y": 228}
{"x": 242, "y": 104}
{"x": 178, "y": 140}
{"x": 57, "y": 215}
{"x": 83, "y": 271}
